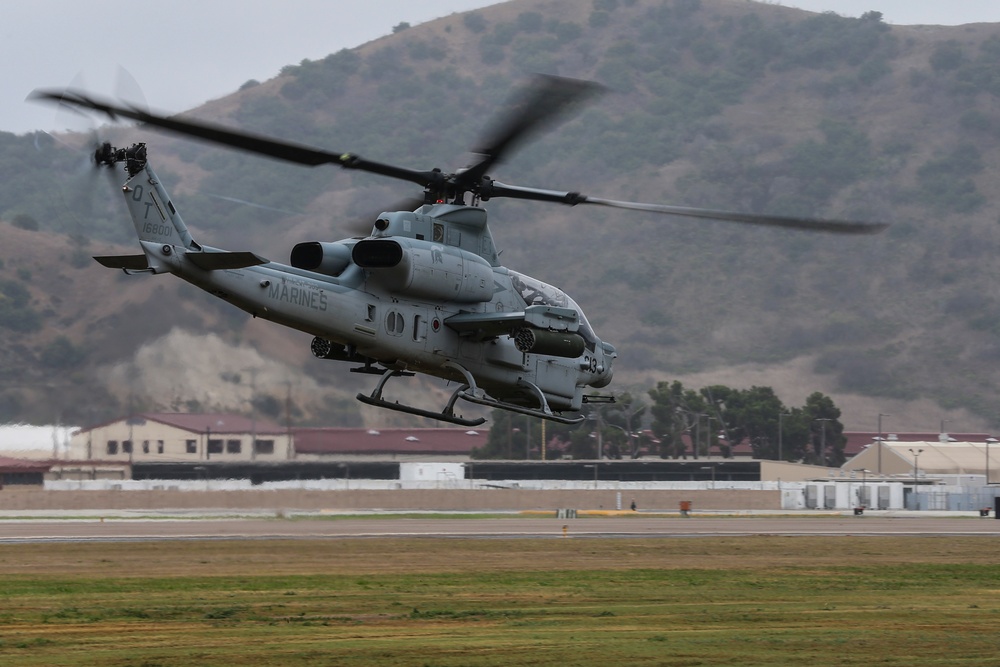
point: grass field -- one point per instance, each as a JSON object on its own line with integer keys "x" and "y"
{"x": 705, "y": 601}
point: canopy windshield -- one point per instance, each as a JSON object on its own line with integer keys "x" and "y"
{"x": 535, "y": 292}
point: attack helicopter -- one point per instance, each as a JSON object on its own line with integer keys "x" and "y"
{"x": 425, "y": 291}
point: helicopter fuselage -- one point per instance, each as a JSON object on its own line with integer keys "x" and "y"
{"x": 424, "y": 293}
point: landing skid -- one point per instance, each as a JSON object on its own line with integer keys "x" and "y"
{"x": 532, "y": 412}
{"x": 473, "y": 395}
{"x": 446, "y": 415}
{"x": 467, "y": 392}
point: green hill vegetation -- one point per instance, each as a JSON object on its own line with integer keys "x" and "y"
{"x": 711, "y": 103}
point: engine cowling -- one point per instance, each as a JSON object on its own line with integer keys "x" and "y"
{"x": 425, "y": 270}
{"x": 327, "y": 258}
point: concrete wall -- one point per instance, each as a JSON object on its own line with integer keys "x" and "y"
{"x": 403, "y": 499}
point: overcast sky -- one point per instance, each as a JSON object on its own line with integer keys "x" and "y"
{"x": 185, "y": 52}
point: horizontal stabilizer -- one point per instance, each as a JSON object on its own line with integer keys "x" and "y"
{"x": 126, "y": 262}
{"x": 216, "y": 261}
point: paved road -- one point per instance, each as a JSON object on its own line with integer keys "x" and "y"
{"x": 119, "y": 529}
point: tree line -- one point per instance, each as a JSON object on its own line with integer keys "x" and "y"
{"x": 677, "y": 422}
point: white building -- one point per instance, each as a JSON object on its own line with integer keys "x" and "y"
{"x": 35, "y": 442}
{"x": 173, "y": 437}
{"x": 921, "y": 461}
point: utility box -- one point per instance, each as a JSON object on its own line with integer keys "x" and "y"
{"x": 883, "y": 497}
{"x": 812, "y": 496}
{"x": 442, "y": 474}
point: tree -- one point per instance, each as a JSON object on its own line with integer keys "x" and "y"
{"x": 517, "y": 437}
{"x": 719, "y": 398}
{"x": 751, "y": 415}
{"x": 582, "y": 443}
{"x": 677, "y": 411}
{"x": 811, "y": 434}
{"x": 507, "y": 439}
{"x": 618, "y": 426}
{"x": 826, "y": 431}
{"x": 795, "y": 435}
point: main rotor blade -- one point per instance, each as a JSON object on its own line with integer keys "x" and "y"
{"x": 807, "y": 224}
{"x": 538, "y": 105}
{"x": 279, "y": 149}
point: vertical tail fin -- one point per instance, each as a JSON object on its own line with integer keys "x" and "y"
{"x": 153, "y": 214}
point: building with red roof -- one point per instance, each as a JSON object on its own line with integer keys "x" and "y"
{"x": 15, "y": 471}
{"x": 156, "y": 437}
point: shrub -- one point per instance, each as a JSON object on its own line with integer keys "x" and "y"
{"x": 24, "y": 221}
{"x": 16, "y": 312}
{"x": 62, "y": 354}
{"x": 947, "y": 56}
{"x": 474, "y": 22}
{"x": 945, "y": 182}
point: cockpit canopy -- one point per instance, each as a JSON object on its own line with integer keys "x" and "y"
{"x": 535, "y": 292}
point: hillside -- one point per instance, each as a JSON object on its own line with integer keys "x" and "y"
{"x": 714, "y": 103}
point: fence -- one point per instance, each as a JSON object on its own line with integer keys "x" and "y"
{"x": 950, "y": 501}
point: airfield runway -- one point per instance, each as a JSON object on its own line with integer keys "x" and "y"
{"x": 195, "y": 528}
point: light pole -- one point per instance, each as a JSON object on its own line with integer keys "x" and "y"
{"x": 696, "y": 440}
{"x": 880, "y": 415}
{"x": 988, "y": 441}
{"x": 628, "y": 439}
{"x": 822, "y": 439}
{"x": 780, "y": 431}
{"x": 916, "y": 456}
{"x": 708, "y": 435}
{"x": 527, "y": 438}
{"x": 712, "y": 468}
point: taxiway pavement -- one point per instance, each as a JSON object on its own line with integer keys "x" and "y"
{"x": 23, "y": 530}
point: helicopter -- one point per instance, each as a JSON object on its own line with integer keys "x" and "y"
{"x": 425, "y": 291}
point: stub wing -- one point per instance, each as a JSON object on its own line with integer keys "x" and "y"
{"x": 484, "y": 326}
